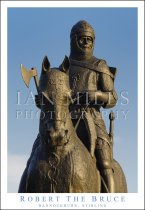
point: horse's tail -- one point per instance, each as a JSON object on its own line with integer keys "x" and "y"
{"x": 119, "y": 176}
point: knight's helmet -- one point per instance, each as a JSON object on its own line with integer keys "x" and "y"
{"x": 81, "y": 28}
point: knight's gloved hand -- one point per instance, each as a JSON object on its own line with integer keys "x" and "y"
{"x": 98, "y": 96}
{"x": 92, "y": 96}
{"x": 38, "y": 101}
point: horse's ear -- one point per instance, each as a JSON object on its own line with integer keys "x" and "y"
{"x": 45, "y": 65}
{"x": 65, "y": 65}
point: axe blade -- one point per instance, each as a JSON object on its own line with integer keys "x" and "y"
{"x": 27, "y": 74}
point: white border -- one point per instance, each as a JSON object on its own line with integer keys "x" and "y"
{"x": 72, "y": 4}
{"x": 132, "y": 201}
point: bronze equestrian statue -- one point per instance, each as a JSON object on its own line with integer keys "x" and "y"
{"x": 91, "y": 83}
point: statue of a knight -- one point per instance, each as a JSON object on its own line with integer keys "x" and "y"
{"x": 92, "y": 81}
{"x": 92, "y": 84}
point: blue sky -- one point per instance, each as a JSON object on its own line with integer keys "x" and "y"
{"x": 36, "y": 32}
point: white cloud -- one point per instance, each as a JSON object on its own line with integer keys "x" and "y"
{"x": 16, "y": 166}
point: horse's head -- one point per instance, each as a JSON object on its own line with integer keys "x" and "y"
{"x": 55, "y": 89}
{"x": 54, "y": 82}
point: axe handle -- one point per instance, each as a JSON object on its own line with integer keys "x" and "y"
{"x": 36, "y": 83}
{"x": 111, "y": 133}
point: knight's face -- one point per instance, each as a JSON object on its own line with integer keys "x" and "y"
{"x": 82, "y": 46}
{"x": 85, "y": 43}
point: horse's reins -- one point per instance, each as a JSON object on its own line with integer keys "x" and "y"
{"x": 76, "y": 126}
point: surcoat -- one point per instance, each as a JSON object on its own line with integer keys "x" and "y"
{"x": 93, "y": 75}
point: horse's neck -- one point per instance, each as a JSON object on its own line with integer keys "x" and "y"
{"x": 70, "y": 127}
{"x": 66, "y": 118}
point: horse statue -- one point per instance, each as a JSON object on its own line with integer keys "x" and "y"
{"x": 60, "y": 162}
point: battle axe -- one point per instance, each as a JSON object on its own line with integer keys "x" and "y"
{"x": 28, "y": 74}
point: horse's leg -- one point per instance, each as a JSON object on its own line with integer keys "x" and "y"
{"x": 22, "y": 185}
